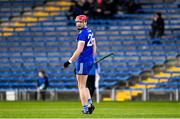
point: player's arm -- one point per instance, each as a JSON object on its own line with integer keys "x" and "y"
{"x": 78, "y": 51}
{"x": 94, "y": 47}
{"x": 76, "y": 54}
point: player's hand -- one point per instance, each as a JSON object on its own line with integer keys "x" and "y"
{"x": 66, "y": 64}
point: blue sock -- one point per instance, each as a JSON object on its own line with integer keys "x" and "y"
{"x": 85, "y": 108}
{"x": 90, "y": 101}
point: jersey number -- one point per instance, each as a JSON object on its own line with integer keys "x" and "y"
{"x": 90, "y": 42}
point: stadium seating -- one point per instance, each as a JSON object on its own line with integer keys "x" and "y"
{"x": 165, "y": 80}
{"x": 16, "y": 8}
{"x": 46, "y": 41}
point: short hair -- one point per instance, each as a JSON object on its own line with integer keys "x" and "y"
{"x": 159, "y": 14}
{"x": 42, "y": 71}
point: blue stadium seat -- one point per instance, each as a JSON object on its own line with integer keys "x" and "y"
{"x": 46, "y": 46}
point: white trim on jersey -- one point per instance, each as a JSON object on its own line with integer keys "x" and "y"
{"x": 81, "y": 41}
{"x": 81, "y": 68}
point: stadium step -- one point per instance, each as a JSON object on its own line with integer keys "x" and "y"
{"x": 175, "y": 69}
{"x": 137, "y": 89}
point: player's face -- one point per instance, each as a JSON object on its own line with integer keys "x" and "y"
{"x": 80, "y": 24}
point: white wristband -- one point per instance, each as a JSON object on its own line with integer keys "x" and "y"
{"x": 70, "y": 61}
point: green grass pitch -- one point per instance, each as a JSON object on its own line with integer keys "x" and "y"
{"x": 103, "y": 110}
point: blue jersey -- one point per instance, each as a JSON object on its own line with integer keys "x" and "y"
{"x": 43, "y": 81}
{"x": 87, "y": 36}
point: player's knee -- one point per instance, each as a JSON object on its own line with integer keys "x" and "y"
{"x": 81, "y": 86}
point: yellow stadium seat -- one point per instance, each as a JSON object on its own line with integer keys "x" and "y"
{"x": 41, "y": 14}
{"x": 20, "y": 24}
{"x": 31, "y": 24}
{"x": 42, "y": 19}
{"x": 30, "y": 19}
{"x": 51, "y": 8}
{"x": 65, "y": 3}
{"x": 7, "y": 34}
{"x": 174, "y": 69}
{"x": 107, "y": 99}
{"x": 8, "y": 29}
{"x": 161, "y": 74}
{"x": 163, "y": 80}
{"x": 19, "y": 29}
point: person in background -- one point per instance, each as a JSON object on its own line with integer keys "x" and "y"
{"x": 93, "y": 79}
{"x": 78, "y": 8}
{"x": 109, "y": 9}
{"x": 42, "y": 85}
{"x": 157, "y": 27}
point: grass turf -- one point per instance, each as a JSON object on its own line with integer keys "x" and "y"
{"x": 103, "y": 110}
